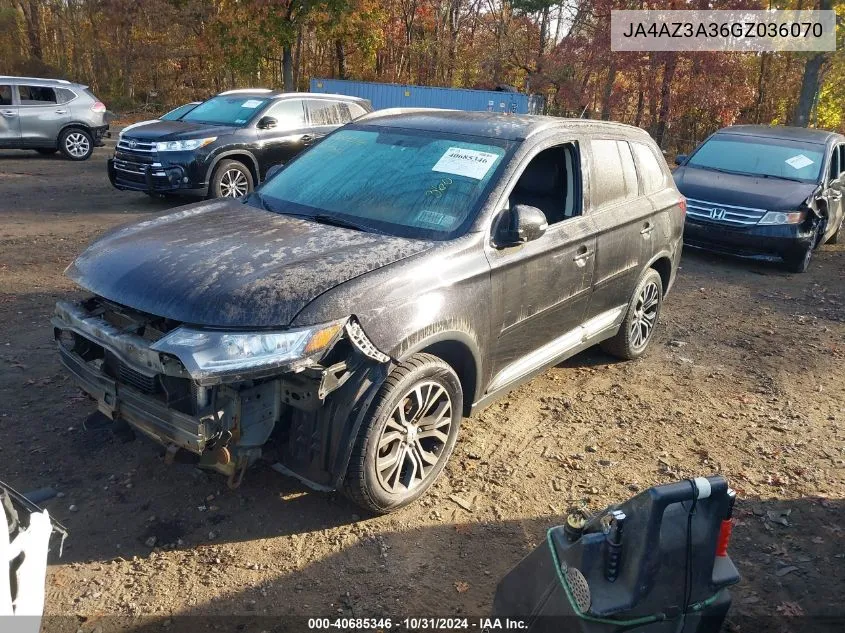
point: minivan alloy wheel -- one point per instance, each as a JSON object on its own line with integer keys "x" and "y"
{"x": 233, "y": 184}
{"x": 411, "y": 443}
{"x": 645, "y": 315}
{"x": 77, "y": 144}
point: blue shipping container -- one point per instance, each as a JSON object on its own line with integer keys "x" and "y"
{"x": 407, "y": 96}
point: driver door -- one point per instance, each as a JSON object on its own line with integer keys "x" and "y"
{"x": 541, "y": 288}
{"x": 278, "y": 144}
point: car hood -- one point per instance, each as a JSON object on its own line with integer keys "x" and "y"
{"x": 772, "y": 194}
{"x": 178, "y": 131}
{"x": 227, "y": 264}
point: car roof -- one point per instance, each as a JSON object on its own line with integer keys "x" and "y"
{"x": 514, "y": 127}
{"x": 266, "y": 93}
{"x": 37, "y": 80}
{"x": 810, "y": 135}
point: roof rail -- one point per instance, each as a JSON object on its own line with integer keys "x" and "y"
{"x": 58, "y": 81}
{"x": 240, "y": 90}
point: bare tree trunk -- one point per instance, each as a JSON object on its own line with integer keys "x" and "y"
{"x": 665, "y": 98}
{"x": 340, "y": 51}
{"x": 809, "y": 90}
{"x": 287, "y": 68}
{"x": 33, "y": 27}
{"x": 608, "y": 88}
{"x": 638, "y": 118}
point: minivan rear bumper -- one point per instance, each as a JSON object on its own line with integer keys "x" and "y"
{"x": 759, "y": 242}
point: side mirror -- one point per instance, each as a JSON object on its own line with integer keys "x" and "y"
{"x": 522, "y": 224}
{"x": 272, "y": 170}
{"x": 266, "y": 123}
{"x": 680, "y": 159}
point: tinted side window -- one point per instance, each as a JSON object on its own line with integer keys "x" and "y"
{"x": 608, "y": 184}
{"x": 63, "y": 95}
{"x": 36, "y": 95}
{"x": 323, "y": 112}
{"x": 288, "y": 113}
{"x": 5, "y": 95}
{"x": 842, "y": 159}
{"x": 356, "y": 110}
{"x": 834, "y": 164}
{"x": 650, "y": 171}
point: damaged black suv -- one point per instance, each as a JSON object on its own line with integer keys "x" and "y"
{"x": 407, "y": 270}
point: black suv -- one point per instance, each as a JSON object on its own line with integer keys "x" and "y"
{"x": 224, "y": 146}
{"x": 765, "y": 192}
{"x": 405, "y": 271}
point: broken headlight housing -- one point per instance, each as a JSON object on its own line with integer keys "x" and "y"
{"x": 206, "y": 353}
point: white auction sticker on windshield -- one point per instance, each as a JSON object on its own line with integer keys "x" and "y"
{"x": 465, "y": 162}
{"x": 252, "y": 103}
{"x": 798, "y": 162}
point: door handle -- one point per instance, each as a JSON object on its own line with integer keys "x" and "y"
{"x": 61, "y": 111}
{"x": 648, "y": 227}
{"x": 8, "y": 113}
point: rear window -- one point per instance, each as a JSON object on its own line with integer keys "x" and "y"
{"x": 612, "y": 180}
{"x": 760, "y": 156}
{"x": 652, "y": 174}
{"x": 36, "y": 95}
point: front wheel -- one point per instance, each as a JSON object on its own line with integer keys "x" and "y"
{"x": 640, "y": 321}
{"x": 76, "y": 144}
{"x": 407, "y": 437}
{"x": 231, "y": 179}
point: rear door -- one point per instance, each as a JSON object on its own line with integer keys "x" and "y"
{"x": 624, "y": 221}
{"x": 10, "y": 131}
{"x": 41, "y": 115}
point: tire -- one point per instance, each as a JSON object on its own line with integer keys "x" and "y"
{"x": 231, "y": 179}
{"x": 76, "y": 144}
{"x": 399, "y": 482}
{"x": 640, "y": 320}
{"x": 47, "y": 151}
{"x": 800, "y": 262}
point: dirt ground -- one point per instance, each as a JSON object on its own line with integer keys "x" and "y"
{"x": 745, "y": 378}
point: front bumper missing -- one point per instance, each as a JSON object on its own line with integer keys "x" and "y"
{"x": 315, "y": 409}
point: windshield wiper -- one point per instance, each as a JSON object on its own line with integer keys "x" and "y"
{"x": 262, "y": 201}
{"x": 324, "y": 218}
{"x": 780, "y": 177}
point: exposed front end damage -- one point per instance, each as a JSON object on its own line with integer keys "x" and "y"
{"x": 296, "y": 395}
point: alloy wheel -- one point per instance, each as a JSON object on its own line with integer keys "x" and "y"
{"x": 77, "y": 144}
{"x": 412, "y": 440}
{"x": 233, "y": 184}
{"x": 645, "y": 315}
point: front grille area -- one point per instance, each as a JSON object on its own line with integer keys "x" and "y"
{"x": 134, "y": 378}
{"x": 726, "y": 214}
{"x": 131, "y": 145}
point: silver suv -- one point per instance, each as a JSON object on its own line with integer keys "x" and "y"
{"x": 50, "y": 115}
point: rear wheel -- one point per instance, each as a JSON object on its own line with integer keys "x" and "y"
{"x": 640, "y": 321}
{"x": 47, "y": 151}
{"x": 407, "y": 437}
{"x": 76, "y": 144}
{"x": 231, "y": 179}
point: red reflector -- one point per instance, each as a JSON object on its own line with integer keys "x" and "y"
{"x": 99, "y": 106}
{"x": 683, "y": 204}
{"x": 724, "y": 537}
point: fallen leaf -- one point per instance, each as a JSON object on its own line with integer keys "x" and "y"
{"x": 461, "y": 586}
{"x": 790, "y": 608}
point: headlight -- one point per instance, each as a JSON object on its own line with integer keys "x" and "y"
{"x": 783, "y": 217}
{"x": 212, "y": 352}
{"x": 184, "y": 146}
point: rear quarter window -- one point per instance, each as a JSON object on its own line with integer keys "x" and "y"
{"x": 612, "y": 177}
{"x": 652, "y": 174}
